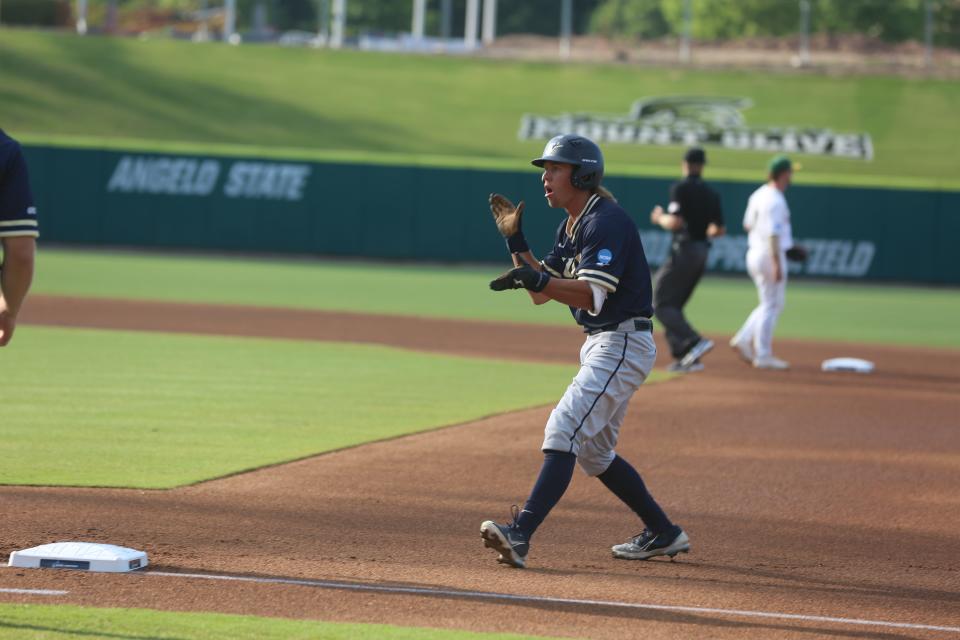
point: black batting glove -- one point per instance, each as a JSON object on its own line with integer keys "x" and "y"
{"x": 525, "y": 277}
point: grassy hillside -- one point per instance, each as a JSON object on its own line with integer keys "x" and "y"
{"x": 405, "y": 108}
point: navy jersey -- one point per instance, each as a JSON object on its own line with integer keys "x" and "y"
{"x": 18, "y": 215}
{"x": 604, "y": 248}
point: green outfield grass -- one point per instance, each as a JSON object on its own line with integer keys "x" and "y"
{"x": 827, "y": 311}
{"x": 151, "y": 410}
{"x": 18, "y": 621}
{"x": 357, "y": 106}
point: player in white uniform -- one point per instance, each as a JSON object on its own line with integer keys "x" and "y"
{"x": 767, "y": 222}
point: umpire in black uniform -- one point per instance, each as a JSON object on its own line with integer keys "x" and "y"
{"x": 694, "y": 216}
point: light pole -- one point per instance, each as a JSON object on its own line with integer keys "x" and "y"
{"x": 229, "y": 20}
{"x": 804, "y": 32}
{"x": 687, "y": 30}
{"x": 489, "y": 21}
{"x": 419, "y": 17}
{"x": 566, "y": 28}
{"x": 203, "y": 33}
{"x": 470, "y": 25}
{"x": 446, "y": 18}
{"x": 339, "y": 23}
{"x": 82, "y": 17}
{"x": 928, "y": 34}
{"x": 323, "y": 22}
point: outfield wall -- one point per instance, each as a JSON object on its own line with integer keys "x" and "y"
{"x": 115, "y": 198}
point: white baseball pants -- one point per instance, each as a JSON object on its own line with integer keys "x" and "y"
{"x": 758, "y": 329}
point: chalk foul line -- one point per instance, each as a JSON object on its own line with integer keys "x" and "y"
{"x": 36, "y": 592}
{"x": 487, "y": 595}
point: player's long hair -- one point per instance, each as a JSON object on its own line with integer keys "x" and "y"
{"x": 603, "y": 192}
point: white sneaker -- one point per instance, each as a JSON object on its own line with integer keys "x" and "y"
{"x": 697, "y": 351}
{"x": 646, "y": 545}
{"x": 677, "y": 367}
{"x": 743, "y": 349}
{"x": 771, "y": 362}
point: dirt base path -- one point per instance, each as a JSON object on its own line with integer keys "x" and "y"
{"x": 809, "y": 494}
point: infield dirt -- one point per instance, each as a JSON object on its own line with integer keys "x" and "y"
{"x": 803, "y": 493}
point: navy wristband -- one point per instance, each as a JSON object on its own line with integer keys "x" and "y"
{"x": 542, "y": 279}
{"x": 517, "y": 243}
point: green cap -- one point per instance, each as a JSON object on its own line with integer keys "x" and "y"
{"x": 779, "y": 164}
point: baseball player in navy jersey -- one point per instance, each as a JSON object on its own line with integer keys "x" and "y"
{"x": 598, "y": 268}
{"x": 18, "y": 232}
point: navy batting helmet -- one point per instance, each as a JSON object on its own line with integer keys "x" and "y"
{"x": 582, "y": 153}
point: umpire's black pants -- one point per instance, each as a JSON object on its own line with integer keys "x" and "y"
{"x": 673, "y": 285}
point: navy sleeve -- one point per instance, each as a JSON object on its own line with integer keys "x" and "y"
{"x": 603, "y": 252}
{"x": 18, "y": 216}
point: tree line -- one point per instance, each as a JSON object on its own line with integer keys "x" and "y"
{"x": 886, "y": 20}
{"x": 710, "y": 20}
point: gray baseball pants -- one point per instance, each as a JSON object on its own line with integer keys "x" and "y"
{"x": 587, "y": 420}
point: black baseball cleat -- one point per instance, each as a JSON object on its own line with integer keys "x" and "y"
{"x": 511, "y": 543}
{"x": 647, "y": 545}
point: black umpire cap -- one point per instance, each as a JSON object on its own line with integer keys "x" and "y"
{"x": 695, "y": 155}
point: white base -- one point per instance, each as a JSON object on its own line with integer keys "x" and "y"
{"x": 87, "y": 556}
{"x": 855, "y": 365}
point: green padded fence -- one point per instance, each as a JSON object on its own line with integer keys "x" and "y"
{"x": 113, "y": 198}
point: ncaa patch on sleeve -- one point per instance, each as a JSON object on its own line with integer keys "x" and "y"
{"x": 604, "y": 257}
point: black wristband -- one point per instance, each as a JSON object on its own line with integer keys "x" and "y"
{"x": 517, "y": 243}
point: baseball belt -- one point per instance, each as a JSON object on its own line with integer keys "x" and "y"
{"x": 633, "y": 324}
